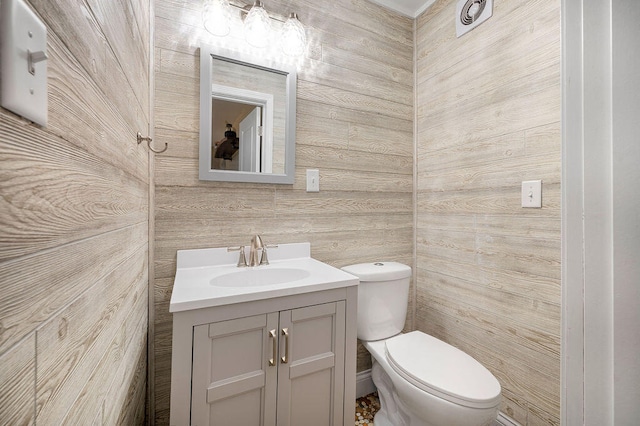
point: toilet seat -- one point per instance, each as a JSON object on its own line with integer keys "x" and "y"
{"x": 443, "y": 370}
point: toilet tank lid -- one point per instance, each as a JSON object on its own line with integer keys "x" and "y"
{"x": 379, "y": 271}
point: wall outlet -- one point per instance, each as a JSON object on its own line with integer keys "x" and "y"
{"x": 313, "y": 180}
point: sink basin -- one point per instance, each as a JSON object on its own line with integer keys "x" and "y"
{"x": 210, "y": 277}
{"x": 259, "y": 277}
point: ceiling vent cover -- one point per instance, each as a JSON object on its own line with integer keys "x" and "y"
{"x": 471, "y": 13}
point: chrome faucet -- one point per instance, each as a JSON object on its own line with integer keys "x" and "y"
{"x": 256, "y": 245}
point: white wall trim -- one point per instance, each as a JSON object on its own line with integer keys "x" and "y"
{"x": 408, "y": 8}
{"x": 600, "y": 272}
{"x": 572, "y": 343}
{"x": 504, "y": 420}
{"x": 364, "y": 383}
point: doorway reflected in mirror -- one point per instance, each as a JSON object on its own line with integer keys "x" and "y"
{"x": 253, "y": 101}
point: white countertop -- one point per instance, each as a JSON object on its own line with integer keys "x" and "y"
{"x": 192, "y": 288}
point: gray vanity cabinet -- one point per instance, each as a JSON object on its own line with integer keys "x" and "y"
{"x": 232, "y": 382}
{"x": 283, "y": 368}
{"x": 311, "y": 382}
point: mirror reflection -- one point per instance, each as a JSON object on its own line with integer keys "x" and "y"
{"x": 253, "y": 102}
{"x": 248, "y": 118}
{"x": 244, "y": 134}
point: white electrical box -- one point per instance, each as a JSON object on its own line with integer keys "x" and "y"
{"x": 23, "y": 61}
{"x": 532, "y": 194}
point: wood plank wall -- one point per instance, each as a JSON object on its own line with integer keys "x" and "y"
{"x": 354, "y": 124}
{"x": 74, "y": 225}
{"x": 488, "y": 117}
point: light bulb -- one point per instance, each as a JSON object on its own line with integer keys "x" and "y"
{"x": 216, "y": 17}
{"x": 293, "y": 37}
{"x": 257, "y": 26}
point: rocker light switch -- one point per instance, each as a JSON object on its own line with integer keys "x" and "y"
{"x": 23, "y": 61}
{"x": 532, "y": 194}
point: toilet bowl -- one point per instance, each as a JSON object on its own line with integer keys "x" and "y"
{"x": 421, "y": 380}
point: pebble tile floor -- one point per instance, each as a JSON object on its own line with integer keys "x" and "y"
{"x": 366, "y": 408}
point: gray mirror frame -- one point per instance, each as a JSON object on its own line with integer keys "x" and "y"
{"x": 205, "y": 171}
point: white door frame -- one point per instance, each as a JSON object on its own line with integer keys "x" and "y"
{"x": 250, "y": 144}
{"x": 600, "y": 213}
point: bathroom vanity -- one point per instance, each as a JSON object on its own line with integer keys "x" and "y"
{"x": 267, "y": 345}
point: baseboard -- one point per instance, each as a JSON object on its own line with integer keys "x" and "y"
{"x": 364, "y": 383}
{"x": 504, "y": 420}
{"x": 365, "y": 386}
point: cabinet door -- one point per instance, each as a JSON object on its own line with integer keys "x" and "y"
{"x": 311, "y": 369}
{"x": 233, "y": 383}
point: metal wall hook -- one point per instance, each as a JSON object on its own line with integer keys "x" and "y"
{"x": 148, "y": 140}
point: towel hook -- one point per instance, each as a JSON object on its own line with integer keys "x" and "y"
{"x": 148, "y": 140}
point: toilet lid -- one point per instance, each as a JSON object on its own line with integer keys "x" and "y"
{"x": 440, "y": 369}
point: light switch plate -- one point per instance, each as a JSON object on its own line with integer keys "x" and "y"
{"x": 22, "y": 34}
{"x": 313, "y": 180}
{"x": 532, "y": 194}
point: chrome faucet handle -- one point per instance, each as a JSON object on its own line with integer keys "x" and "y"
{"x": 242, "y": 258}
{"x": 264, "y": 260}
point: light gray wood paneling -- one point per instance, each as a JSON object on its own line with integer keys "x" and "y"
{"x": 74, "y": 220}
{"x": 36, "y": 287}
{"x": 342, "y": 113}
{"x": 354, "y": 124}
{"x": 493, "y": 201}
{"x": 47, "y": 205}
{"x": 488, "y": 271}
{"x": 17, "y": 377}
{"x": 358, "y": 100}
{"x": 71, "y": 346}
{"x": 80, "y": 112}
{"x": 112, "y": 375}
{"x": 128, "y": 387}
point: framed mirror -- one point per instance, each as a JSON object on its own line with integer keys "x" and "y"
{"x": 247, "y": 119}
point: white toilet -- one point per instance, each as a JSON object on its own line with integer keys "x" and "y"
{"x": 421, "y": 381}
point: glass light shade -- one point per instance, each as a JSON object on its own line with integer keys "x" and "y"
{"x": 257, "y": 26}
{"x": 216, "y": 17}
{"x": 293, "y": 37}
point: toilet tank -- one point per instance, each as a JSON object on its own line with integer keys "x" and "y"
{"x": 383, "y": 295}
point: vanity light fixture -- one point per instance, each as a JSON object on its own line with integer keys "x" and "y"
{"x": 293, "y": 36}
{"x": 216, "y": 17}
{"x": 257, "y": 25}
